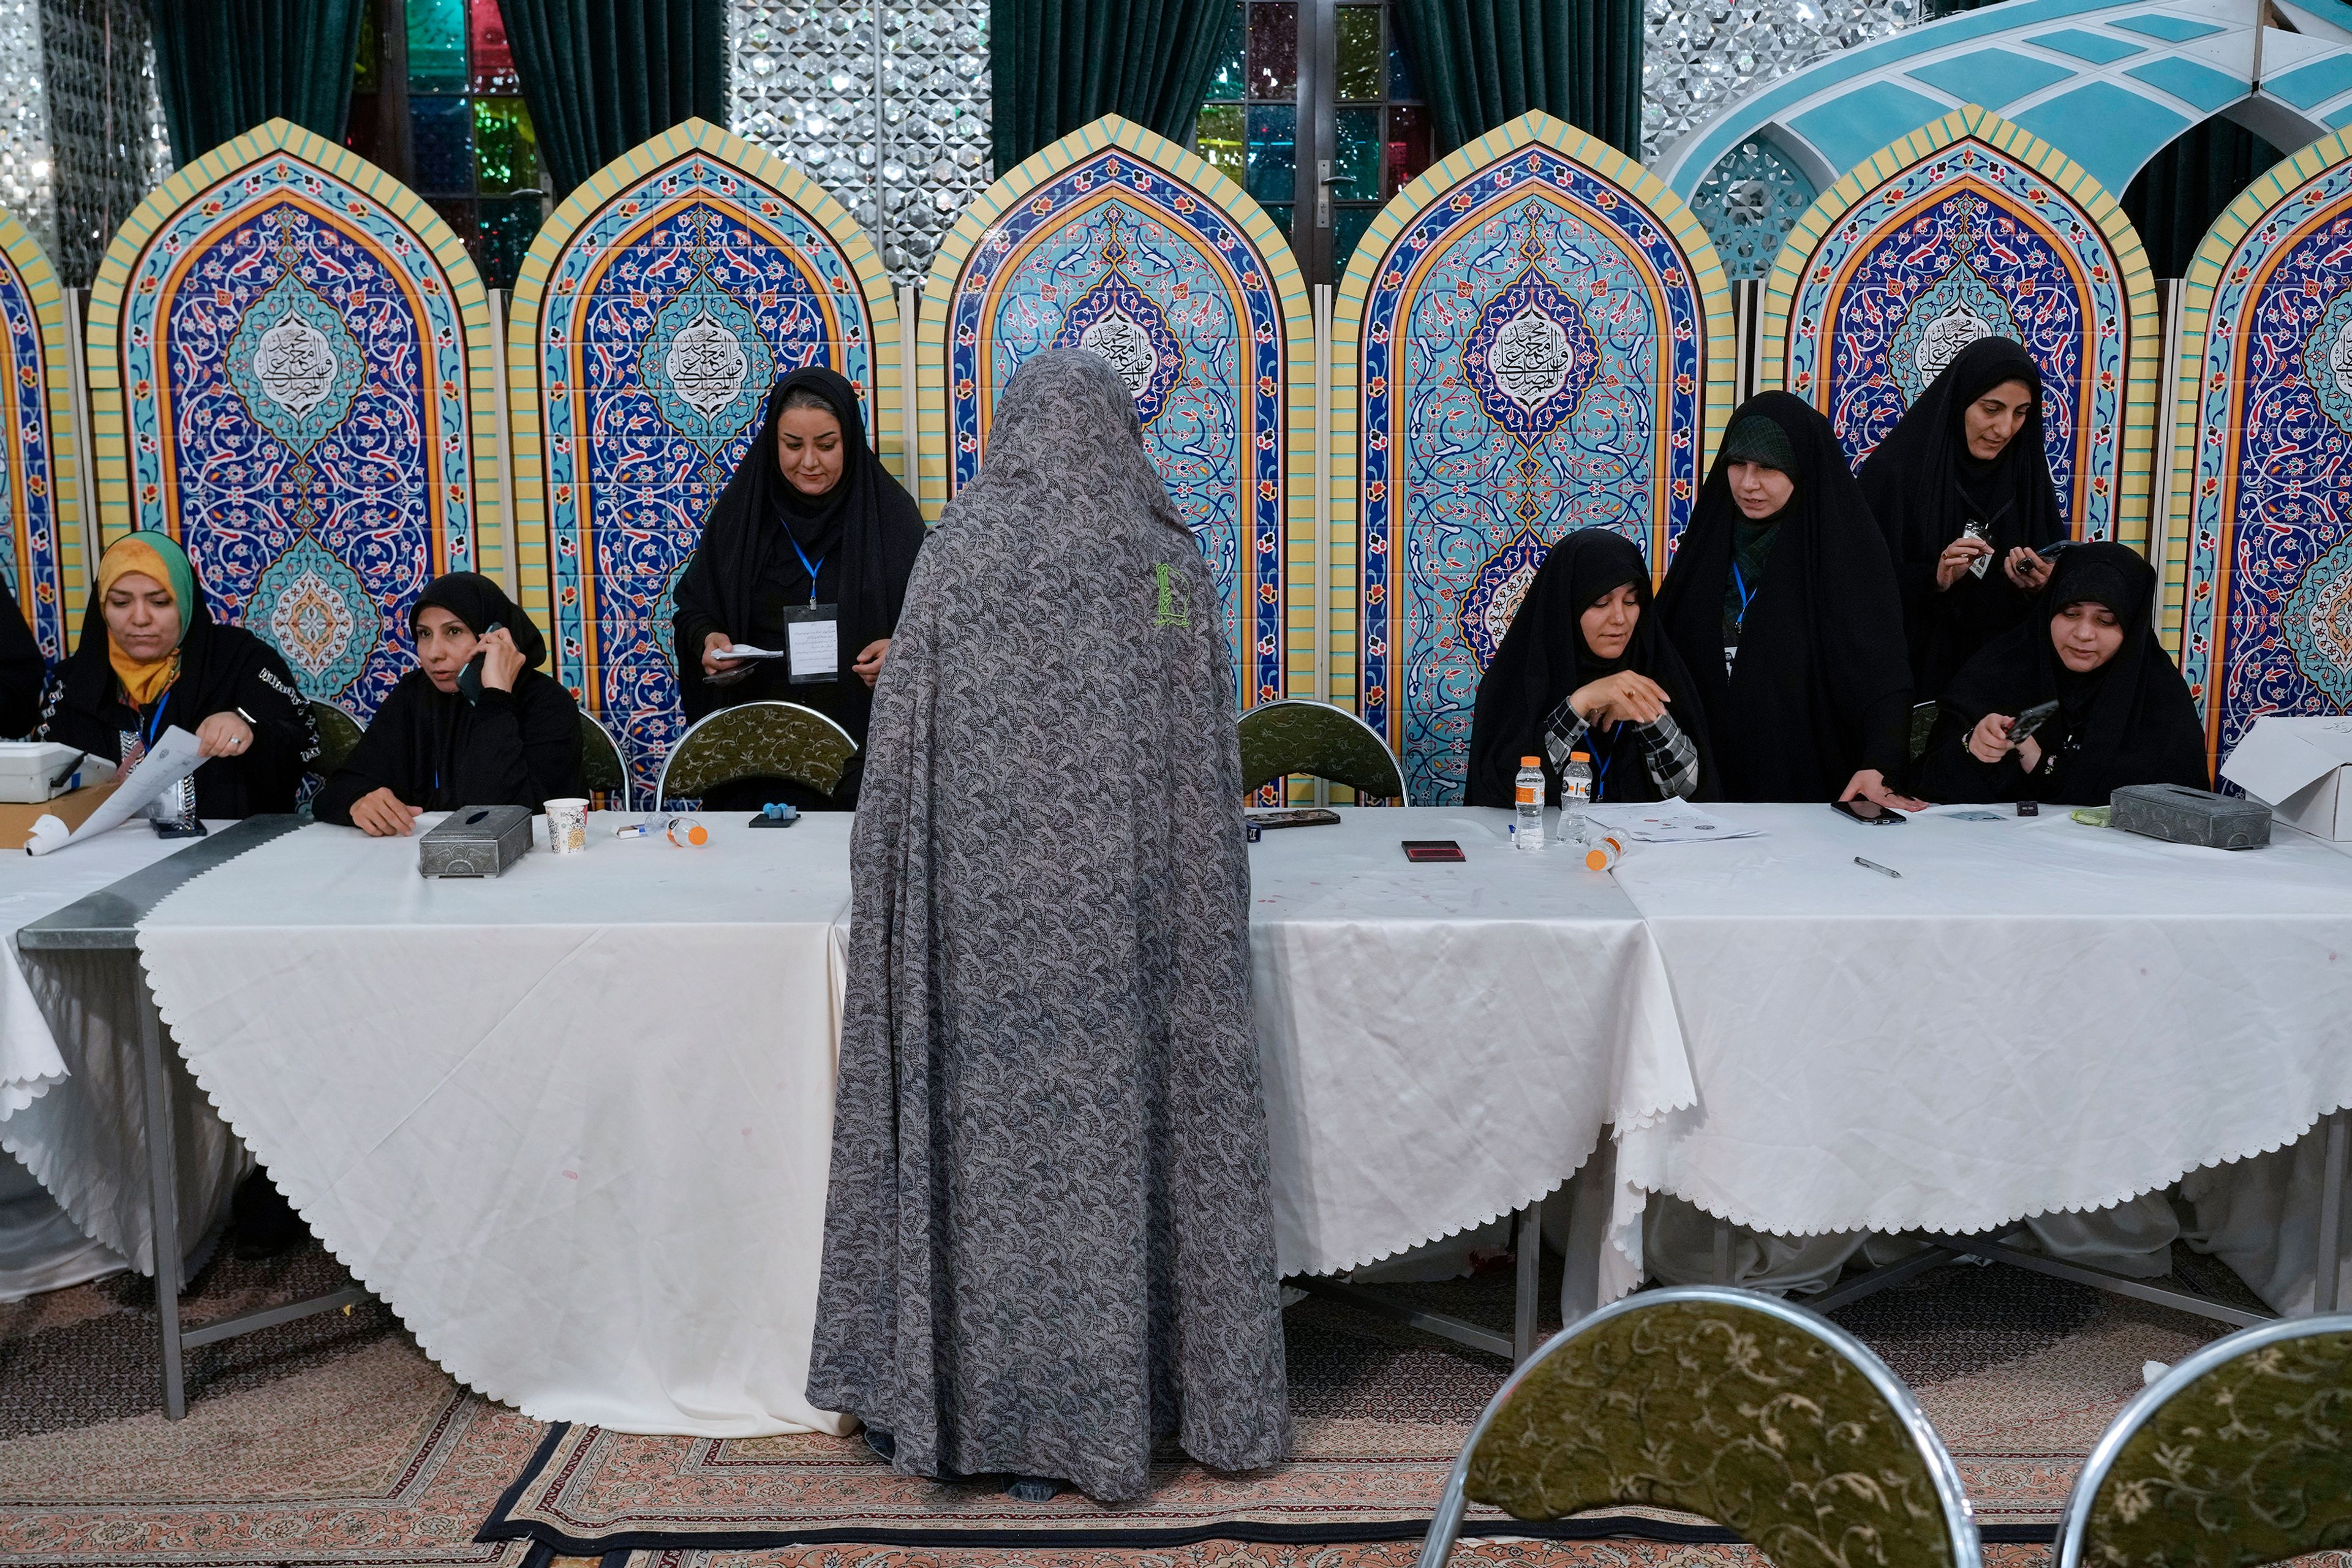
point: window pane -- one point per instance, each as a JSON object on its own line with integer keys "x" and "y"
{"x": 363, "y": 66}
{"x": 508, "y": 229}
{"x": 1359, "y": 52}
{"x": 506, "y": 151}
{"x": 1273, "y": 50}
{"x": 1229, "y": 80}
{"x": 1402, "y": 84}
{"x": 1281, "y": 217}
{"x": 441, "y": 137}
{"x": 361, "y": 131}
{"x": 1347, "y": 226}
{"x": 1273, "y": 153}
{"x": 494, "y": 68}
{"x": 1219, "y": 139}
{"x": 1355, "y": 162}
{"x": 1408, "y": 145}
{"x": 437, "y": 46}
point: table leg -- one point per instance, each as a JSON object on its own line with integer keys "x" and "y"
{"x": 1527, "y": 1244}
{"x": 2330, "y": 1252}
{"x": 1722, "y": 1274}
{"x": 163, "y": 1191}
{"x": 1592, "y": 1194}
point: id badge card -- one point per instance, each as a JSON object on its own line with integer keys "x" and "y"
{"x": 1730, "y": 658}
{"x": 1983, "y": 563}
{"x": 812, "y": 643}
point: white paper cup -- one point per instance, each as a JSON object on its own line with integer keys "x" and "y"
{"x": 567, "y": 826}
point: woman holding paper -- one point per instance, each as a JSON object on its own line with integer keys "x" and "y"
{"x": 806, "y": 555}
{"x": 151, "y": 658}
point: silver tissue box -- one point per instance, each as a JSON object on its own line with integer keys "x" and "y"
{"x": 476, "y": 841}
{"x": 2183, "y": 816}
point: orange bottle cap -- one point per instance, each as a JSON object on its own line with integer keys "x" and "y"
{"x": 1579, "y": 756}
{"x": 1530, "y": 762}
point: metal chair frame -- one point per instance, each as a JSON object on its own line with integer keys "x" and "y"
{"x": 2066, "y": 1551}
{"x": 1354, "y": 718}
{"x": 1967, "y": 1550}
{"x": 661, "y": 787}
{"x": 626, "y": 803}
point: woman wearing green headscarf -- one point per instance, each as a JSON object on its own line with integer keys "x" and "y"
{"x": 151, "y": 658}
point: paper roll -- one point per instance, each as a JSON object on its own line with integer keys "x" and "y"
{"x": 48, "y": 834}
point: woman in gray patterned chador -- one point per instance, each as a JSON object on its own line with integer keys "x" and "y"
{"x": 1048, "y": 1244}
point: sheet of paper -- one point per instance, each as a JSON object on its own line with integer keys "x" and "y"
{"x": 1670, "y": 822}
{"x": 816, "y": 647}
{"x": 745, "y": 651}
{"x": 170, "y": 760}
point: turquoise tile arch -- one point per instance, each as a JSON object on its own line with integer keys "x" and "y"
{"x": 290, "y": 372}
{"x": 2260, "y": 549}
{"x": 655, "y": 308}
{"x": 1534, "y": 337}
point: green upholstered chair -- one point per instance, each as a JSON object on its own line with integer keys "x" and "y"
{"x": 1923, "y": 725}
{"x": 338, "y": 734}
{"x": 2239, "y": 1455}
{"x": 601, "y": 767}
{"x": 1297, "y": 736}
{"x": 1762, "y": 1416}
{"x": 756, "y": 740}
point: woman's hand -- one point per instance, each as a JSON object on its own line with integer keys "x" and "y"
{"x": 501, "y": 660}
{"x": 379, "y": 814}
{"x": 1624, "y": 696}
{"x": 2026, "y": 568}
{"x": 869, "y": 660}
{"x": 721, "y": 671}
{"x": 1871, "y": 785}
{"x": 1957, "y": 558}
{"x": 1988, "y": 742}
{"x": 223, "y": 735}
{"x": 2029, "y": 753}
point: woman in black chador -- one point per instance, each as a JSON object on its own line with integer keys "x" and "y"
{"x": 811, "y": 527}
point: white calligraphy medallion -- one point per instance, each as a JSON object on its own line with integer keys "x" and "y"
{"x": 1945, "y": 336}
{"x": 707, "y": 365}
{"x": 295, "y": 365}
{"x": 1531, "y": 358}
{"x": 1122, "y": 340}
{"x": 2339, "y": 359}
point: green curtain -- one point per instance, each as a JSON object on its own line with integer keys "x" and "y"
{"x": 1056, "y": 64}
{"x": 2178, "y": 193}
{"x": 224, "y": 66}
{"x": 1482, "y": 62}
{"x": 602, "y": 76}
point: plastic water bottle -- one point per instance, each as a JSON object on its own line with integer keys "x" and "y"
{"x": 1527, "y": 825}
{"x": 1603, "y": 848}
{"x": 1575, "y": 791}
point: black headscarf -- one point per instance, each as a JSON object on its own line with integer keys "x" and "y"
{"x": 1544, "y": 657}
{"x": 1924, "y": 488}
{"x": 1822, "y": 688}
{"x": 2131, "y": 720}
{"x": 22, "y": 670}
{"x": 481, "y": 604}
{"x": 222, "y": 669}
{"x": 872, "y": 523}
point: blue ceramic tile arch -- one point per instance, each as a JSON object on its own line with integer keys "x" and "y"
{"x": 39, "y": 496}
{"x": 1533, "y": 338}
{"x": 653, "y": 311}
{"x": 290, "y": 366}
{"x": 2262, "y": 465}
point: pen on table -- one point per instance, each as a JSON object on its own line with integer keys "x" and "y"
{"x": 1874, "y": 866}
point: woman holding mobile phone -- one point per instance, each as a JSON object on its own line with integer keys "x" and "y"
{"x": 2113, "y": 707}
{"x": 504, "y": 736}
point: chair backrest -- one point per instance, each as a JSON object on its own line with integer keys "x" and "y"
{"x": 1923, "y": 725}
{"x": 756, "y": 740}
{"x": 1765, "y": 1417}
{"x": 1299, "y": 736}
{"x": 338, "y": 734}
{"x": 601, "y": 767}
{"x": 2237, "y": 1456}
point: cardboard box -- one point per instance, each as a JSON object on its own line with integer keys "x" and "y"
{"x": 73, "y": 809}
{"x": 2301, "y": 769}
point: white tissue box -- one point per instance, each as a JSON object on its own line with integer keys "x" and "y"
{"x": 2299, "y": 768}
{"x": 28, "y": 767}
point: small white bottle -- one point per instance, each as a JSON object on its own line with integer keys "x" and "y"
{"x": 1575, "y": 792}
{"x": 1528, "y": 823}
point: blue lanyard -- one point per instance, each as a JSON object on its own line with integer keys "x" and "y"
{"x": 812, "y": 571}
{"x": 155, "y": 725}
{"x": 1747, "y": 596}
{"x": 1600, "y": 773}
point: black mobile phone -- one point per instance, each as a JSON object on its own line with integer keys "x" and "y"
{"x": 1293, "y": 816}
{"x": 2029, "y": 720}
{"x": 1867, "y": 811}
{"x": 470, "y": 680}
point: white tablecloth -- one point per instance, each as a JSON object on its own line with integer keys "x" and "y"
{"x": 573, "y": 1124}
{"x": 80, "y": 1134}
{"x": 2037, "y": 1017}
{"x": 1443, "y": 1043}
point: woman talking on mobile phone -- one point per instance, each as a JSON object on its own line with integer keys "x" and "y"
{"x": 2123, "y": 715}
{"x": 506, "y": 736}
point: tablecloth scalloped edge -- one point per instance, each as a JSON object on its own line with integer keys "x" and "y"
{"x": 1972, "y": 1227}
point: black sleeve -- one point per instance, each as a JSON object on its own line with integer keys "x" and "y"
{"x": 379, "y": 761}
{"x": 697, "y": 612}
{"x": 1870, "y": 668}
{"x": 22, "y": 672}
{"x": 284, "y": 736}
{"x": 522, "y": 748}
{"x": 1949, "y": 774}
